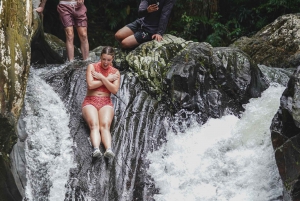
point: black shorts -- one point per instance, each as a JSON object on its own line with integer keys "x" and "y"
{"x": 140, "y": 35}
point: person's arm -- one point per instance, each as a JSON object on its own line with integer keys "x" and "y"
{"x": 145, "y": 8}
{"x": 111, "y": 77}
{"x": 41, "y": 7}
{"x": 113, "y": 87}
{"x": 164, "y": 17}
{"x": 91, "y": 82}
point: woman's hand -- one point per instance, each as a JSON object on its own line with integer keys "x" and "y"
{"x": 112, "y": 77}
{"x": 96, "y": 75}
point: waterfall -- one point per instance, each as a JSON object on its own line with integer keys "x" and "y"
{"x": 226, "y": 159}
{"x": 48, "y": 147}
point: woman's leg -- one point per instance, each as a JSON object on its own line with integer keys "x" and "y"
{"x": 90, "y": 115}
{"x": 106, "y": 115}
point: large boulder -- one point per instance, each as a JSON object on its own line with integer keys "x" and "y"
{"x": 16, "y": 31}
{"x": 45, "y": 48}
{"x": 150, "y": 61}
{"x": 224, "y": 75}
{"x": 285, "y": 133}
{"x": 49, "y": 49}
{"x": 15, "y": 63}
{"x": 19, "y": 26}
{"x": 277, "y": 44}
{"x": 192, "y": 68}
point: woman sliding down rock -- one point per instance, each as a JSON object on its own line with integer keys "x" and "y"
{"x": 97, "y": 108}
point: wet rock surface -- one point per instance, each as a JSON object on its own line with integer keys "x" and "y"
{"x": 16, "y": 30}
{"x": 194, "y": 77}
{"x": 159, "y": 81}
{"x": 285, "y": 130}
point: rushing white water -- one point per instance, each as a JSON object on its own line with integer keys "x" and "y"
{"x": 48, "y": 151}
{"x": 226, "y": 159}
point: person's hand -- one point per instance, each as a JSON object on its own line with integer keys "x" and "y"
{"x": 80, "y": 1}
{"x": 39, "y": 9}
{"x": 97, "y": 75}
{"x": 157, "y": 37}
{"x": 112, "y": 77}
{"x": 152, "y": 8}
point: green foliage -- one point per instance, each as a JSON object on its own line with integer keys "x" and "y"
{"x": 191, "y": 25}
{"x": 220, "y": 32}
{"x": 233, "y": 18}
{"x": 106, "y": 17}
{"x": 115, "y": 18}
{"x": 218, "y": 22}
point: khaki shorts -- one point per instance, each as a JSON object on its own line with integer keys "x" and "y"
{"x": 72, "y": 15}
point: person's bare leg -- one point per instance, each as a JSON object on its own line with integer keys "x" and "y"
{"x": 106, "y": 115}
{"x": 90, "y": 115}
{"x": 126, "y": 37}
{"x": 129, "y": 42}
{"x": 70, "y": 42}
{"x": 123, "y": 33}
{"x": 84, "y": 43}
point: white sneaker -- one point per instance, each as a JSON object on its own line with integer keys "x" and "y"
{"x": 109, "y": 154}
{"x": 96, "y": 153}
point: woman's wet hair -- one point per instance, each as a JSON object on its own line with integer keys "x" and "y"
{"x": 108, "y": 50}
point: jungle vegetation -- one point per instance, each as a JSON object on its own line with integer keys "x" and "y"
{"x": 218, "y": 22}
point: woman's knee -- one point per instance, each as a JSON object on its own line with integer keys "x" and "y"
{"x": 105, "y": 126}
{"x": 93, "y": 125}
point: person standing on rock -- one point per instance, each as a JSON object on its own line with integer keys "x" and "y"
{"x": 72, "y": 14}
{"x": 154, "y": 16}
{"x": 97, "y": 108}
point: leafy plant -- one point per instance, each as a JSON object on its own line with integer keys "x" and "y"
{"x": 217, "y": 22}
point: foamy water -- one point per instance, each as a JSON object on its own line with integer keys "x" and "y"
{"x": 226, "y": 159}
{"x": 48, "y": 148}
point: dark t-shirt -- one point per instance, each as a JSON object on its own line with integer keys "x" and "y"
{"x": 155, "y": 22}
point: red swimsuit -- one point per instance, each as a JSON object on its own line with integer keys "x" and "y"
{"x": 96, "y": 101}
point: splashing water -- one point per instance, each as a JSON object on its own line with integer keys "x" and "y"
{"x": 226, "y": 159}
{"x": 48, "y": 147}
